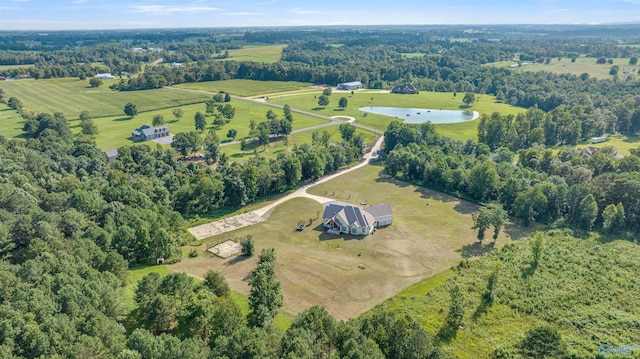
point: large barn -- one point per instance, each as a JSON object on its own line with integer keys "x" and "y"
{"x": 349, "y": 219}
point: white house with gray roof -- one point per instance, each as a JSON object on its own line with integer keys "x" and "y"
{"x": 349, "y": 219}
{"x": 145, "y": 133}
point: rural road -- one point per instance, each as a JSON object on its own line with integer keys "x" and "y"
{"x": 260, "y": 215}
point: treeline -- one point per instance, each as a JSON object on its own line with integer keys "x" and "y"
{"x": 562, "y": 126}
{"x": 587, "y": 192}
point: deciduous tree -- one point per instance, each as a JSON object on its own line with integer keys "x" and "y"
{"x": 323, "y": 100}
{"x": 200, "y": 121}
{"x": 130, "y": 110}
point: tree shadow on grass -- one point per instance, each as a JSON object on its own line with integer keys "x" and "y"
{"x": 482, "y": 309}
{"x": 236, "y": 259}
{"x": 529, "y": 270}
{"x": 120, "y": 119}
{"x": 318, "y": 108}
{"x": 475, "y": 249}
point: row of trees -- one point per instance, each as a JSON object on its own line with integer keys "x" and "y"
{"x": 584, "y": 191}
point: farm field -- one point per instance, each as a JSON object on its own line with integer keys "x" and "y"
{"x": 319, "y": 269}
{"x": 582, "y": 65}
{"x": 72, "y": 96}
{"x": 257, "y": 53}
{"x": 116, "y": 131}
{"x": 428, "y": 100}
{"x": 246, "y": 88}
{"x": 10, "y": 122}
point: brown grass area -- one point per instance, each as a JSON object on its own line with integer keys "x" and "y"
{"x": 431, "y": 232}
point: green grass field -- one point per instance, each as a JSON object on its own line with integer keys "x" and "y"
{"x": 257, "y": 53}
{"x": 428, "y": 100}
{"x": 622, "y": 143}
{"x": 588, "y": 303}
{"x": 582, "y": 65}
{"x": 72, "y": 96}
{"x": 10, "y": 122}
{"x": 274, "y": 148}
{"x": 246, "y": 88}
{"x": 116, "y": 131}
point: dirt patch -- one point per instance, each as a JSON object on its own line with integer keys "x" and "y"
{"x": 225, "y": 225}
{"x": 226, "y": 249}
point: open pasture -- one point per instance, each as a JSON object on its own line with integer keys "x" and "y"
{"x": 582, "y": 65}
{"x": 72, "y": 96}
{"x": 486, "y": 104}
{"x": 246, "y": 88}
{"x": 430, "y": 233}
{"x": 115, "y": 131}
{"x": 256, "y": 53}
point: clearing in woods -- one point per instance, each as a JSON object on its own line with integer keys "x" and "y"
{"x": 431, "y": 232}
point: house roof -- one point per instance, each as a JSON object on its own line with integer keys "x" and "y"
{"x": 148, "y": 131}
{"x": 151, "y": 130}
{"x": 348, "y": 214}
{"x": 382, "y": 210}
{"x": 111, "y": 153}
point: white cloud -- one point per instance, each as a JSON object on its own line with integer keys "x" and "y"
{"x": 168, "y": 9}
{"x": 243, "y": 13}
{"x": 301, "y": 11}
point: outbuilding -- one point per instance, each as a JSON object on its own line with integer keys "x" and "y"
{"x": 349, "y": 86}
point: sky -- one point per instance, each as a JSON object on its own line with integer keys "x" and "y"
{"x": 126, "y": 14}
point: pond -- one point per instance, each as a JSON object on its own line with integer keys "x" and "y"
{"x": 421, "y": 115}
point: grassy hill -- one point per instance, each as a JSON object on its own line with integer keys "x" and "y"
{"x": 587, "y": 288}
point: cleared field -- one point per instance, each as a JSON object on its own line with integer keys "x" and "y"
{"x": 246, "y": 88}
{"x": 429, "y": 100}
{"x": 274, "y": 148}
{"x": 10, "y": 122}
{"x": 72, "y": 96}
{"x": 319, "y": 269}
{"x": 257, "y": 53}
{"x": 116, "y": 131}
{"x": 622, "y": 143}
{"x": 582, "y": 65}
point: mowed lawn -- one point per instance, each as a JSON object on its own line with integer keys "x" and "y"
{"x": 256, "y": 53}
{"x": 582, "y": 65}
{"x": 276, "y": 147}
{"x": 246, "y": 88}
{"x": 72, "y": 96}
{"x": 431, "y": 232}
{"x": 116, "y": 131}
{"x": 11, "y": 122}
{"x": 486, "y": 104}
{"x": 622, "y": 143}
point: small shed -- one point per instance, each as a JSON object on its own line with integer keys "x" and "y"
{"x": 598, "y": 139}
{"x": 111, "y": 155}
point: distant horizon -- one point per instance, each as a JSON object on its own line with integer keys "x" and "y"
{"x": 69, "y": 15}
{"x": 317, "y": 26}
